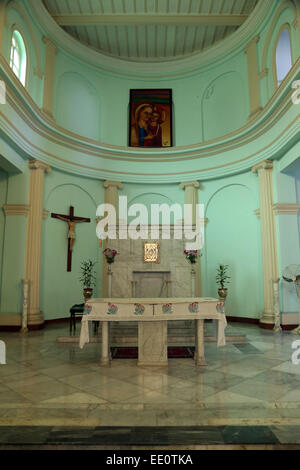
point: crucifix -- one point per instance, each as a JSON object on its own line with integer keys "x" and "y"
{"x": 71, "y": 220}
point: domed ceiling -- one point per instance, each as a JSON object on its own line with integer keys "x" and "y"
{"x": 150, "y": 30}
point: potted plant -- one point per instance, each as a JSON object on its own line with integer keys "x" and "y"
{"x": 222, "y": 279}
{"x": 88, "y": 278}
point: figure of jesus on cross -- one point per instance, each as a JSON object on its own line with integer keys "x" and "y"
{"x": 71, "y": 220}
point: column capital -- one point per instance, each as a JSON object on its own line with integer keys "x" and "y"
{"x": 51, "y": 44}
{"x": 38, "y": 165}
{"x": 193, "y": 184}
{"x": 252, "y": 43}
{"x": 108, "y": 184}
{"x": 264, "y": 165}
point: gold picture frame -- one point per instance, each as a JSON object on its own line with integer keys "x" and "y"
{"x": 151, "y": 252}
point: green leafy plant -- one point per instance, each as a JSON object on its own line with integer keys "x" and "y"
{"x": 88, "y": 274}
{"x": 222, "y": 277}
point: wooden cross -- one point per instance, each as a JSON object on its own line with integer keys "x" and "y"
{"x": 71, "y": 220}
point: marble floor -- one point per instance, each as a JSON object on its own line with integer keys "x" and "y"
{"x": 249, "y": 393}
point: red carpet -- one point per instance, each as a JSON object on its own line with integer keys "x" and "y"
{"x": 174, "y": 352}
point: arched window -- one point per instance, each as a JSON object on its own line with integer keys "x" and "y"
{"x": 283, "y": 56}
{"x": 18, "y": 56}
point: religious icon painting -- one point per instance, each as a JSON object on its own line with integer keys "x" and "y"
{"x": 150, "y": 119}
{"x": 151, "y": 252}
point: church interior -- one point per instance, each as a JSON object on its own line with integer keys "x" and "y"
{"x": 158, "y": 103}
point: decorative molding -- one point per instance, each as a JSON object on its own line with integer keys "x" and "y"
{"x": 281, "y": 208}
{"x": 179, "y": 67}
{"x": 88, "y": 157}
{"x": 13, "y": 4}
{"x": 283, "y": 27}
{"x": 16, "y": 209}
{"x": 264, "y": 73}
{"x": 264, "y": 165}
{"x": 45, "y": 214}
{"x": 283, "y": 6}
{"x": 39, "y": 165}
{"x": 253, "y": 42}
{"x": 286, "y": 208}
{"x": 108, "y": 184}
{"x": 186, "y": 184}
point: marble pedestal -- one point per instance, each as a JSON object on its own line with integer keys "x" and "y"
{"x": 152, "y": 343}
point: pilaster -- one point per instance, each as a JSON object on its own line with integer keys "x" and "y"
{"x": 191, "y": 197}
{"x": 253, "y": 76}
{"x": 111, "y": 196}
{"x": 268, "y": 237}
{"x": 34, "y": 239}
{"x": 51, "y": 51}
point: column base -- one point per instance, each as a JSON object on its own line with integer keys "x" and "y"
{"x": 200, "y": 362}
{"x": 35, "y": 320}
{"x": 267, "y": 321}
{"x": 104, "y": 362}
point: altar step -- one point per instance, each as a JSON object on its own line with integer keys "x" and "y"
{"x": 181, "y": 334}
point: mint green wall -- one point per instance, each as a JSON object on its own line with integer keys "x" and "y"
{"x": 3, "y": 199}
{"x": 232, "y": 237}
{"x": 94, "y": 103}
{"x": 14, "y": 244}
{"x": 288, "y": 240}
{"x": 60, "y": 289}
{"x": 96, "y": 106}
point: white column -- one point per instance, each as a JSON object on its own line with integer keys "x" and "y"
{"x": 51, "y": 51}
{"x": 253, "y": 77}
{"x": 34, "y": 239}
{"x": 191, "y": 197}
{"x": 111, "y": 196}
{"x": 268, "y": 237}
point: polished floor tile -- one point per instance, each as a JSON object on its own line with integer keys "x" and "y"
{"x": 248, "y": 393}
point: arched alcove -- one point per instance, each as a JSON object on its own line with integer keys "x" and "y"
{"x": 232, "y": 237}
{"x": 77, "y": 105}
{"x": 149, "y": 198}
{"x": 223, "y": 94}
{"x": 62, "y": 289}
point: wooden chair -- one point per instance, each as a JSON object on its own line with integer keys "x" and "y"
{"x": 75, "y": 311}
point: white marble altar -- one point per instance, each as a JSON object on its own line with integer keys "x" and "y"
{"x": 152, "y": 316}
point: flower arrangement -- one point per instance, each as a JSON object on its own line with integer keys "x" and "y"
{"x": 110, "y": 255}
{"x": 88, "y": 274}
{"x": 191, "y": 255}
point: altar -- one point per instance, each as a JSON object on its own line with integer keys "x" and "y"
{"x": 152, "y": 316}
